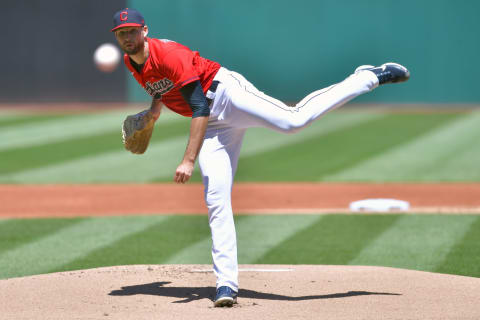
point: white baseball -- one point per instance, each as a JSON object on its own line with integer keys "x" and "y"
{"x": 106, "y": 57}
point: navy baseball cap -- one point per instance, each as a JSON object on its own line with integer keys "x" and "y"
{"x": 127, "y": 18}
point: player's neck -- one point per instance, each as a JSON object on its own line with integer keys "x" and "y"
{"x": 141, "y": 56}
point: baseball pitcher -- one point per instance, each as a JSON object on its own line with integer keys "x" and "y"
{"x": 222, "y": 105}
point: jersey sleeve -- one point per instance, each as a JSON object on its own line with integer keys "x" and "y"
{"x": 178, "y": 66}
{"x": 194, "y": 96}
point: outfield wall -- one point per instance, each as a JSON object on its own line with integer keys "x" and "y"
{"x": 290, "y": 48}
{"x": 287, "y": 49}
{"x": 47, "y": 51}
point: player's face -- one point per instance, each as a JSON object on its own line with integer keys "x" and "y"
{"x": 130, "y": 39}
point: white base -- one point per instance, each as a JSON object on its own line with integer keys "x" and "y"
{"x": 379, "y": 205}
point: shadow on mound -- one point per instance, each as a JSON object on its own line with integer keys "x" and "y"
{"x": 188, "y": 294}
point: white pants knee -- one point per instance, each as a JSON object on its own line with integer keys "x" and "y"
{"x": 239, "y": 105}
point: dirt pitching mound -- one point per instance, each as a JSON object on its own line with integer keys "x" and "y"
{"x": 267, "y": 292}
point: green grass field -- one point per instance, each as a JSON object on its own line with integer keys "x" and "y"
{"x": 352, "y": 145}
{"x": 437, "y": 243}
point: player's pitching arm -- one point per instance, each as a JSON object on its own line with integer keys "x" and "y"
{"x": 198, "y": 127}
{"x": 194, "y": 96}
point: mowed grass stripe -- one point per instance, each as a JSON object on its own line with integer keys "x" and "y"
{"x": 450, "y": 243}
{"x": 25, "y": 158}
{"x": 464, "y": 257}
{"x": 18, "y": 232}
{"x": 260, "y": 234}
{"x": 338, "y": 150}
{"x": 445, "y": 153}
{"x": 198, "y": 252}
{"x": 258, "y": 140}
{"x": 153, "y": 245}
{"x": 158, "y": 163}
{"x": 87, "y": 159}
{"x": 68, "y": 244}
{"x": 256, "y": 235}
{"x": 116, "y": 166}
{"x": 59, "y": 129}
{"x": 38, "y": 129}
{"x": 19, "y": 119}
{"x": 261, "y": 140}
{"x": 334, "y": 239}
{"x": 419, "y": 242}
{"x": 463, "y": 161}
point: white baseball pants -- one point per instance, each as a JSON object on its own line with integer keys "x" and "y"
{"x": 237, "y": 106}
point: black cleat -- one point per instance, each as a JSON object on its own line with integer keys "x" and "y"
{"x": 388, "y": 72}
{"x": 225, "y": 297}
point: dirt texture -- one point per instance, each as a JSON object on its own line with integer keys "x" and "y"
{"x": 249, "y": 198}
{"x": 186, "y": 292}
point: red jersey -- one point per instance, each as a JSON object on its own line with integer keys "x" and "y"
{"x": 169, "y": 67}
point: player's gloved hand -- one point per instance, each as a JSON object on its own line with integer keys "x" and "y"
{"x": 137, "y": 130}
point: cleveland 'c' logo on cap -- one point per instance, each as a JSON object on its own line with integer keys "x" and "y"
{"x": 124, "y": 16}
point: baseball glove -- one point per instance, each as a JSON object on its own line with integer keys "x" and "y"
{"x": 137, "y": 130}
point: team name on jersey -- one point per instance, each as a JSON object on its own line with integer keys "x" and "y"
{"x": 159, "y": 88}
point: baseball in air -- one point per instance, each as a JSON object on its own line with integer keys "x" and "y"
{"x": 106, "y": 57}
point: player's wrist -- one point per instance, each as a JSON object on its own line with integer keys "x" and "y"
{"x": 188, "y": 160}
{"x": 156, "y": 108}
{"x": 155, "y": 113}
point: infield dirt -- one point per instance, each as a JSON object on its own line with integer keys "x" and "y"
{"x": 267, "y": 292}
{"x": 249, "y": 198}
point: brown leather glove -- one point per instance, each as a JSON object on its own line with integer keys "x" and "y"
{"x": 137, "y": 130}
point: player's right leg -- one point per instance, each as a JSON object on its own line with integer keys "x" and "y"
{"x": 246, "y": 106}
{"x": 218, "y": 162}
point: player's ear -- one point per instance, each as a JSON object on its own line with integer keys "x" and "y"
{"x": 145, "y": 31}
